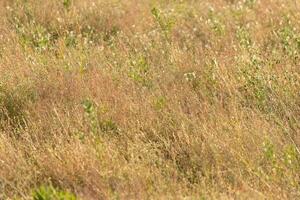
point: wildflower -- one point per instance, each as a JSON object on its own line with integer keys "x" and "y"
{"x": 190, "y": 76}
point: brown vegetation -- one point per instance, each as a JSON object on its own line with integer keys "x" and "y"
{"x": 104, "y": 99}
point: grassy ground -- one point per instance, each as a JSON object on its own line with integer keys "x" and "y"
{"x": 149, "y": 99}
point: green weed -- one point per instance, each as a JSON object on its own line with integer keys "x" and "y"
{"x": 13, "y": 103}
{"x": 165, "y": 23}
{"x": 244, "y": 38}
{"x": 139, "y": 71}
{"x": 215, "y": 22}
{"x": 67, "y": 4}
{"x": 289, "y": 39}
{"x": 160, "y": 103}
{"x": 97, "y": 123}
{"x": 50, "y": 193}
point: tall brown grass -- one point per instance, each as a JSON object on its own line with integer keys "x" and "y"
{"x": 149, "y": 99}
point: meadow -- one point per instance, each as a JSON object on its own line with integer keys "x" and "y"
{"x": 149, "y": 99}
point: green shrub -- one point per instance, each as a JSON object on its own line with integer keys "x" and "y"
{"x": 256, "y": 89}
{"x": 139, "y": 71}
{"x": 160, "y": 103}
{"x": 244, "y": 38}
{"x": 216, "y": 23}
{"x": 289, "y": 40}
{"x": 50, "y": 193}
{"x": 96, "y": 122}
{"x": 165, "y": 23}
{"x": 67, "y": 4}
{"x": 13, "y": 103}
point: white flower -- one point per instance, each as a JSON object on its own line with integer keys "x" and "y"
{"x": 190, "y": 76}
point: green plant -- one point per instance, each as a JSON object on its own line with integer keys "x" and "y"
{"x": 190, "y": 76}
{"x": 289, "y": 39}
{"x": 256, "y": 88}
{"x": 139, "y": 71}
{"x": 13, "y": 103}
{"x": 292, "y": 157}
{"x": 269, "y": 152}
{"x": 70, "y": 39}
{"x": 211, "y": 77}
{"x": 165, "y": 23}
{"x": 34, "y": 35}
{"x": 206, "y": 83}
{"x": 50, "y": 193}
{"x": 160, "y": 102}
{"x": 90, "y": 111}
{"x": 244, "y": 37}
{"x": 250, "y": 3}
{"x": 97, "y": 124}
{"x": 67, "y": 4}
{"x": 215, "y": 22}
{"x": 110, "y": 35}
{"x": 107, "y": 125}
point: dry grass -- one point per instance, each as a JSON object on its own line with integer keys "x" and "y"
{"x": 132, "y": 99}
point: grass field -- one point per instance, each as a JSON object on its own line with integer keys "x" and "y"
{"x": 149, "y": 99}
